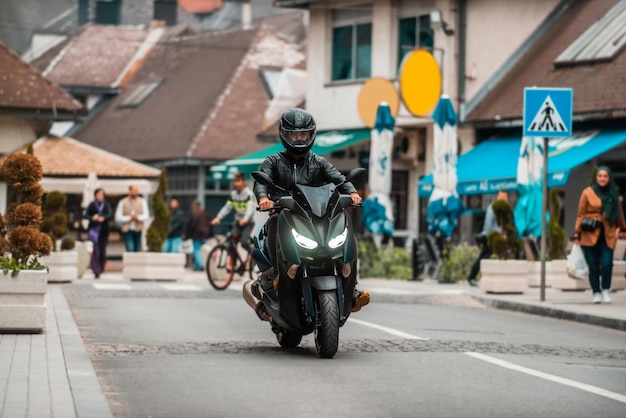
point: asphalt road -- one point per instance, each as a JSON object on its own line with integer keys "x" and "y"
{"x": 194, "y": 352}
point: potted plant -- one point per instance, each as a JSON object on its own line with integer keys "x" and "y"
{"x": 556, "y": 268}
{"x": 504, "y": 273}
{"x": 154, "y": 264}
{"x": 63, "y": 261}
{"x": 23, "y": 280}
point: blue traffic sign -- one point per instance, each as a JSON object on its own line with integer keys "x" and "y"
{"x": 548, "y": 112}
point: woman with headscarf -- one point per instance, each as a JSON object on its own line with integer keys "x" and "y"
{"x": 599, "y": 203}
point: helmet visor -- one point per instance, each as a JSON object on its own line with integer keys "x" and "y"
{"x": 298, "y": 138}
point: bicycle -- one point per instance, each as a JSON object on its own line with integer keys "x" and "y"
{"x": 224, "y": 260}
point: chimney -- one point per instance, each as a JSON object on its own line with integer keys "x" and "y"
{"x": 166, "y": 10}
{"x": 83, "y": 12}
{"x": 109, "y": 12}
{"x": 246, "y": 15}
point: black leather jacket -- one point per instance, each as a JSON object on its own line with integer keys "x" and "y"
{"x": 311, "y": 170}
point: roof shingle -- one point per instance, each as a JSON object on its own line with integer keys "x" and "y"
{"x": 22, "y": 87}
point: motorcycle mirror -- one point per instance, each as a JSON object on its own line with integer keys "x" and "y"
{"x": 355, "y": 174}
{"x": 262, "y": 178}
{"x": 266, "y": 180}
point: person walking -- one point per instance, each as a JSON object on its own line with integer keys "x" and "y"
{"x": 131, "y": 213}
{"x": 177, "y": 226}
{"x": 198, "y": 230}
{"x": 99, "y": 213}
{"x": 599, "y": 203}
{"x": 490, "y": 224}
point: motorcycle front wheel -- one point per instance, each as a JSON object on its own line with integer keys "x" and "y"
{"x": 327, "y": 333}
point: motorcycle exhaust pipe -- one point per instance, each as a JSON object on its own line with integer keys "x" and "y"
{"x": 248, "y": 296}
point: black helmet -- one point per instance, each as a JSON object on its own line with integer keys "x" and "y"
{"x": 295, "y": 121}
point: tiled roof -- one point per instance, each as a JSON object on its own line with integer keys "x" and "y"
{"x": 22, "y": 87}
{"x": 599, "y": 87}
{"x": 200, "y": 6}
{"x": 100, "y": 55}
{"x": 209, "y": 105}
{"x": 72, "y": 158}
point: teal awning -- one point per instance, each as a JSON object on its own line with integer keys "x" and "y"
{"x": 492, "y": 165}
{"x": 325, "y": 143}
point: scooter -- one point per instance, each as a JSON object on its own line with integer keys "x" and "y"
{"x": 316, "y": 257}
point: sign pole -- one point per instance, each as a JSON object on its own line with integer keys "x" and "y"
{"x": 544, "y": 211}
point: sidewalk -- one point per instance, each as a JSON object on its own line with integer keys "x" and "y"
{"x": 50, "y": 374}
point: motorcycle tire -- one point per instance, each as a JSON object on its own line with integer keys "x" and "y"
{"x": 220, "y": 267}
{"x": 288, "y": 339}
{"x": 327, "y": 333}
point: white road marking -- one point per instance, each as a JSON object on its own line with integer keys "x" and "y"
{"x": 387, "y": 330}
{"x": 567, "y": 382}
{"x": 182, "y": 287}
{"x": 112, "y": 286}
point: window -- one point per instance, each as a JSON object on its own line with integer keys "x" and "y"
{"x": 352, "y": 43}
{"x": 270, "y": 79}
{"x": 601, "y": 41}
{"x": 141, "y": 93}
{"x": 414, "y": 32}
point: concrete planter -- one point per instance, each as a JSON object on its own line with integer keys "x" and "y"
{"x": 22, "y": 301}
{"x": 83, "y": 258}
{"x": 534, "y": 273}
{"x": 153, "y": 266}
{"x": 559, "y": 279}
{"x": 504, "y": 276}
{"x": 62, "y": 266}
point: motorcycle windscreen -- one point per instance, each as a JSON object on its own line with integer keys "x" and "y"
{"x": 316, "y": 198}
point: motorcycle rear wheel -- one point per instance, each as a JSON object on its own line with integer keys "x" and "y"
{"x": 327, "y": 333}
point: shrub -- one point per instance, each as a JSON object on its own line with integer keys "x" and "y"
{"x": 556, "y": 234}
{"x": 386, "y": 262}
{"x": 459, "y": 262}
{"x": 55, "y": 220}
{"x": 157, "y": 232}
{"x": 504, "y": 245}
{"x": 21, "y": 241}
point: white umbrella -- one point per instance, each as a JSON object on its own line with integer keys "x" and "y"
{"x": 444, "y": 205}
{"x": 91, "y": 185}
{"x": 377, "y": 213}
{"x": 530, "y": 169}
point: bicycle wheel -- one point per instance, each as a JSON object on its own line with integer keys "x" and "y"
{"x": 220, "y": 267}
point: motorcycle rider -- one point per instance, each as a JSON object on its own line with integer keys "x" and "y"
{"x": 297, "y": 164}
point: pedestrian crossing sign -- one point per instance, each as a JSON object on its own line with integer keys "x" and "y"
{"x": 548, "y": 112}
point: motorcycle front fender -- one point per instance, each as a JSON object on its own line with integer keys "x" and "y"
{"x": 320, "y": 283}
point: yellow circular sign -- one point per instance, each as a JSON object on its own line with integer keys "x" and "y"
{"x": 420, "y": 82}
{"x": 374, "y": 91}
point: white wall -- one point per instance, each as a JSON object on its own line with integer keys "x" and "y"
{"x": 15, "y": 133}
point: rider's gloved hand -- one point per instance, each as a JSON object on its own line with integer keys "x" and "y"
{"x": 356, "y": 199}
{"x": 265, "y": 203}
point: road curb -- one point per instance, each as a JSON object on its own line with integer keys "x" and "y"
{"x": 614, "y": 323}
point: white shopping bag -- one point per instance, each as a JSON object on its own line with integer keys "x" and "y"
{"x": 576, "y": 264}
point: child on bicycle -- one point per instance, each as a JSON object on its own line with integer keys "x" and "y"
{"x": 243, "y": 201}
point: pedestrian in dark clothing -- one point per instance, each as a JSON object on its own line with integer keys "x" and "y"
{"x": 491, "y": 224}
{"x": 198, "y": 230}
{"x": 177, "y": 226}
{"x": 98, "y": 213}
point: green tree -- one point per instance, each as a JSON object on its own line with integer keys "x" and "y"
{"x": 556, "y": 234}
{"x": 55, "y": 219}
{"x": 157, "y": 232}
{"x": 504, "y": 244}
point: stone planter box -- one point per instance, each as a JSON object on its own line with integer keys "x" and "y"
{"x": 22, "y": 301}
{"x": 83, "y": 258}
{"x": 153, "y": 266}
{"x": 62, "y": 266}
{"x": 534, "y": 273}
{"x": 560, "y": 280}
{"x": 504, "y": 276}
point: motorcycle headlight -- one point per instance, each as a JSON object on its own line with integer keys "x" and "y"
{"x": 303, "y": 241}
{"x": 339, "y": 239}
